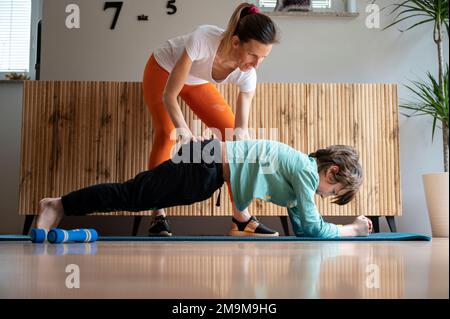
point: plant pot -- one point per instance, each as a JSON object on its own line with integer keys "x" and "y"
{"x": 436, "y": 192}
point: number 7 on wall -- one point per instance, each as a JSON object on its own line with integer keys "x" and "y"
{"x": 118, "y": 6}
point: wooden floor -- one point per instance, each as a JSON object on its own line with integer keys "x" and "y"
{"x": 226, "y": 270}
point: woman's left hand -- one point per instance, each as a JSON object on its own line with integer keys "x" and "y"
{"x": 242, "y": 134}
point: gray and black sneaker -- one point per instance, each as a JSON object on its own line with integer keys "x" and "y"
{"x": 160, "y": 227}
{"x": 251, "y": 228}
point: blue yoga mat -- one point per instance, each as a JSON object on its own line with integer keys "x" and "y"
{"x": 371, "y": 237}
{"x": 15, "y": 238}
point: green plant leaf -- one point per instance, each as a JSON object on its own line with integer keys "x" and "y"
{"x": 436, "y": 10}
{"x": 429, "y": 100}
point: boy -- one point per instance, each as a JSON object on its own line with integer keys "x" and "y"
{"x": 262, "y": 169}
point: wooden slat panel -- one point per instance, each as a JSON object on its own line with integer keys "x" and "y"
{"x": 76, "y": 134}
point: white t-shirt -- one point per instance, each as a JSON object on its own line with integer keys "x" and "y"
{"x": 201, "y": 45}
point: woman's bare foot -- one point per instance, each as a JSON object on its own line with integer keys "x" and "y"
{"x": 51, "y": 212}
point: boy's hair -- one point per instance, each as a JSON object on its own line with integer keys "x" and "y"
{"x": 350, "y": 172}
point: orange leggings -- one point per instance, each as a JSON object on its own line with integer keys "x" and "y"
{"x": 204, "y": 100}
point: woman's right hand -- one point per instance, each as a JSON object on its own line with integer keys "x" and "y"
{"x": 187, "y": 137}
{"x": 184, "y": 137}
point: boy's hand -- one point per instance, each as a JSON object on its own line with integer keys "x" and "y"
{"x": 366, "y": 219}
{"x": 363, "y": 226}
{"x": 370, "y": 225}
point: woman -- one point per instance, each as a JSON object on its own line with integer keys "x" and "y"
{"x": 188, "y": 66}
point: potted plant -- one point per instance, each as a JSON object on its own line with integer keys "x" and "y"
{"x": 16, "y": 76}
{"x": 431, "y": 99}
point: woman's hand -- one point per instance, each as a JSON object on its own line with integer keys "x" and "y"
{"x": 241, "y": 134}
{"x": 185, "y": 137}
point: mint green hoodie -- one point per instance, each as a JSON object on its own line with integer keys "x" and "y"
{"x": 277, "y": 173}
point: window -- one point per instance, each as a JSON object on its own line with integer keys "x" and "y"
{"x": 267, "y": 3}
{"x": 316, "y": 4}
{"x": 321, "y": 4}
{"x": 15, "y": 23}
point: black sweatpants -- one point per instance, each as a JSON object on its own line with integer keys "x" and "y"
{"x": 191, "y": 176}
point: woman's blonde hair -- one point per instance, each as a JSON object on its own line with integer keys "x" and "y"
{"x": 248, "y": 24}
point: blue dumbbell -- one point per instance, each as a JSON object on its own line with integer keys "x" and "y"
{"x": 57, "y": 235}
{"x": 38, "y": 235}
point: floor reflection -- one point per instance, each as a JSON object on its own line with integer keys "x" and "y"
{"x": 65, "y": 249}
{"x": 220, "y": 270}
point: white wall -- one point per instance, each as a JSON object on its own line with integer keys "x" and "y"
{"x": 312, "y": 49}
{"x": 36, "y": 15}
{"x": 10, "y": 124}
